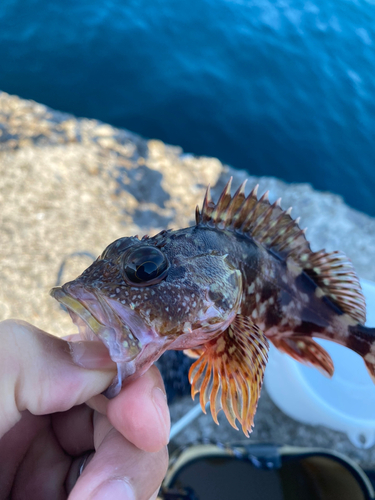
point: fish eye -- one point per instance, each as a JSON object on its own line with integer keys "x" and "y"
{"x": 145, "y": 266}
{"x": 118, "y": 247}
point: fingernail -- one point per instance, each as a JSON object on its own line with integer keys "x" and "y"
{"x": 92, "y": 355}
{"x": 113, "y": 489}
{"x": 160, "y": 402}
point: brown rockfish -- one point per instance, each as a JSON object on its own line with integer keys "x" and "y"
{"x": 220, "y": 290}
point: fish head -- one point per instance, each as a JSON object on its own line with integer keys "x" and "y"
{"x": 142, "y": 297}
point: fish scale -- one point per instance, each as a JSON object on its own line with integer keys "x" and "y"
{"x": 243, "y": 276}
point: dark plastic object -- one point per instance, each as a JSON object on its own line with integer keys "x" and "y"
{"x": 264, "y": 472}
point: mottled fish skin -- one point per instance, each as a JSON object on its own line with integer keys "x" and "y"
{"x": 218, "y": 290}
{"x": 197, "y": 300}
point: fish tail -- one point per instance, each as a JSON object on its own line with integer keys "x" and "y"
{"x": 362, "y": 341}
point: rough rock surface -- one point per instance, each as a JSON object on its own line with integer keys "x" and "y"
{"x": 69, "y": 186}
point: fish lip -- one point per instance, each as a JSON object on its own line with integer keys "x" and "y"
{"x": 74, "y": 305}
{"x": 68, "y": 299}
{"x": 65, "y": 295}
{"x": 104, "y": 321}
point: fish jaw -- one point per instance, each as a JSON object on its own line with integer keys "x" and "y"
{"x": 90, "y": 328}
{"x": 131, "y": 344}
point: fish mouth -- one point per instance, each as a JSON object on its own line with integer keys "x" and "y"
{"x": 77, "y": 308}
{"x": 96, "y": 320}
{"x": 109, "y": 329}
{"x": 132, "y": 344}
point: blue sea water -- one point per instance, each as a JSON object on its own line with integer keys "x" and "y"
{"x": 278, "y": 87}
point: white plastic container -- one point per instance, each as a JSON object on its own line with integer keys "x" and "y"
{"x": 346, "y": 402}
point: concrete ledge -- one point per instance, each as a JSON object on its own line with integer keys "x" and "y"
{"x": 69, "y": 186}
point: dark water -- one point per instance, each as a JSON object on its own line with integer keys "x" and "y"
{"x": 283, "y": 87}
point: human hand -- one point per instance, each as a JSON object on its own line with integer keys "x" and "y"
{"x": 53, "y": 421}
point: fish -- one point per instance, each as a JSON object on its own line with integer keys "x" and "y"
{"x": 222, "y": 290}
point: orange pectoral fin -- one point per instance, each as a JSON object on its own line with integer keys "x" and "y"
{"x": 230, "y": 372}
{"x": 306, "y": 351}
{"x": 194, "y": 353}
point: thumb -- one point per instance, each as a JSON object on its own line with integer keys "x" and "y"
{"x": 45, "y": 374}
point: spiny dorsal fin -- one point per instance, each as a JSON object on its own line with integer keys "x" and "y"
{"x": 268, "y": 224}
{"x": 335, "y": 275}
{"x": 273, "y": 227}
{"x": 207, "y": 208}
